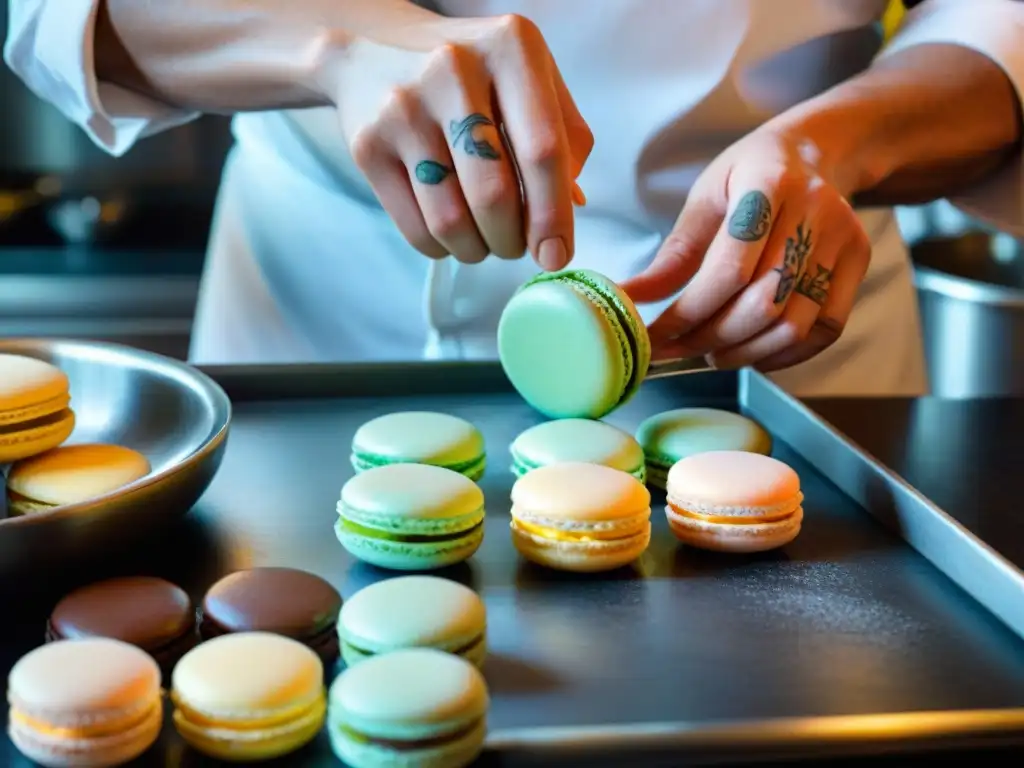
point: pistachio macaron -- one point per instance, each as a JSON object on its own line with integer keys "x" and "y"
{"x": 413, "y": 612}
{"x": 420, "y": 437}
{"x": 410, "y": 517}
{"x": 586, "y": 440}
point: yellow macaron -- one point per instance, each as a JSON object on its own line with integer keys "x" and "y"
{"x": 71, "y": 474}
{"x": 576, "y": 516}
{"x": 249, "y": 696}
{"x": 35, "y": 412}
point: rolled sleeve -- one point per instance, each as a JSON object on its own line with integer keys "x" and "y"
{"x": 50, "y": 47}
{"x": 994, "y": 28}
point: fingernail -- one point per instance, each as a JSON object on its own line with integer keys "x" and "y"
{"x": 578, "y": 197}
{"x": 551, "y": 255}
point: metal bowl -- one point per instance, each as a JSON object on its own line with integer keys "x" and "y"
{"x": 173, "y": 414}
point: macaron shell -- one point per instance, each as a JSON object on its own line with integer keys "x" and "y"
{"x": 459, "y": 753}
{"x": 424, "y": 437}
{"x": 17, "y": 443}
{"x": 736, "y": 538}
{"x": 409, "y": 556}
{"x": 581, "y": 556}
{"x": 95, "y": 679}
{"x": 673, "y": 435}
{"x": 579, "y": 371}
{"x": 234, "y": 678}
{"x": 413, "y": 611}
{"x": 26, "y": 382}
{"x": 579, "y": 440}
{"x": 579, "y": 493}
{"x": 75, "y": 473}
{"x": 412, "y": 694}
{"x": 98, "y": 752}
{"x": 733, "y": 483}
{"x": 412, "y": 499}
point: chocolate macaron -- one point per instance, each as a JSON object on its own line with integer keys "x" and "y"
{"x": 285, "y": 601}
{"x": 150, "y": 613}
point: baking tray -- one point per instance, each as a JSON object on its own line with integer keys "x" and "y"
{"x": 846, "y": 642}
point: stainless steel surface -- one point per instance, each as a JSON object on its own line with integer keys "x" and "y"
{"x": 846, "y": 641}
{"x": 660, "y": 369}
{"x": 971, "y": 295}
{"x": 971, "y": 563}
{"x": 175, "y": 415}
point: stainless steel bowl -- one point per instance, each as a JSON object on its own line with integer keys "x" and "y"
{"x": 173, "y": 414}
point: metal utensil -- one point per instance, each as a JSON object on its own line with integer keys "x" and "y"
{"x": 676, "y": 366}
{"x": 175, "y": 415}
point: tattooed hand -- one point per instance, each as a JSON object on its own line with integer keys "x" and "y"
{"x": 771, "y": 256}
{"x": 459, "y": 123}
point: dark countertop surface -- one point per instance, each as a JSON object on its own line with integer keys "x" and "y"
{"x": 963, "y": 455}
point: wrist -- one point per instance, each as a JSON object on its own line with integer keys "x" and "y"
{"x": 842, "y": 135}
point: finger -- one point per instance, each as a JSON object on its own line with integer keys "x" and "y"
{"x": 796, "y": 322}
{"x": 389, "y": 179}
{"x": 408, "y": 126}
{"x": 681, "y": 254}
{"x": 581, "y": 138}
{"x": 537, "y": 134}
{"x": 765, "y": 300}
{"x": 728, "y": 265}
{"x": 851, "y": 267}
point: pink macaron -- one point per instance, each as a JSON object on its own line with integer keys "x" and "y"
{"x": 734, "y": 501}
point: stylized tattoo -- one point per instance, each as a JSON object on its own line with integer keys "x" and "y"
{"x": 463, "y": 129}
{"x": 430, "y": 172}
{"x": 793, "y": 262}
{"x": 815, "y": 288}
{"x": 752, "y": 218}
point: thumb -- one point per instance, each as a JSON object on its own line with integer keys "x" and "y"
{"x": 680, "y": 256}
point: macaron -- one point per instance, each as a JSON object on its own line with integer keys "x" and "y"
{"x": 410, "y": 517}
{"x": 84, "y": 703}
{"x": 415, "y": 708}
{"x": 593, "y": 442}
{"x": 573, "y": 344}
{"x": 285, "y": 601}
{"x": 734, "y": 501}
{"x": 248, "y": 696}
{"x": 580, "y": 517}
{"x": 35, "y": 407}
{"x": 413, "y": 612}
{"x": 420, "y": 437}
{"x": 71, "y": 474}
{"x": 153, "y": 614}
{"x": 673, "y": 435}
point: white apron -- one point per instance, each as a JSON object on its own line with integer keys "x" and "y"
{"x": 305, "y": 266}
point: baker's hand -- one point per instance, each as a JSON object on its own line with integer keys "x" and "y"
{"x": 771, "y": 255}
{"x": 447, "y": 122}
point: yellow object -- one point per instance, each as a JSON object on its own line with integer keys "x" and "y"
{"x": 892, "y": 19}
{"x": 35, "y": 413}
{"x": 249, "y": 696}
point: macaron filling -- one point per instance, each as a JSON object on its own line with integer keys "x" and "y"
{"x": 412, "y": 745}
{"x": 22, "y": 504}
{"x": 97, "y": 728}
{"x": 347, "y": 525}
{"x": 471, "y": 468}
{"x": 621, "y": 530}
{"x": 465, "y": 650}
{"x": 735, "y": 516}
{"x": 26, "y": 419}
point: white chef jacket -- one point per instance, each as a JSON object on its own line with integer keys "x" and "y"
{"x": 305, "y": 266}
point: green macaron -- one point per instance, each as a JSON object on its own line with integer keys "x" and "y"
{"x": 573, "y": 344}
{"x": 413, "y": 708}
{"x": 562, "y": 440}
{"x": 413, "y": 612}
{"x": 673, "y": 435}
{"x": 410, "y": 517}
{"x": 420, "y": 437}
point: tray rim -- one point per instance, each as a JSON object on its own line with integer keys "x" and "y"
{"x": 796, "y": 424}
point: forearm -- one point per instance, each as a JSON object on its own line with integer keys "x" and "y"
{"x": 242, "y": 55}
{"x": 918, "y": 125}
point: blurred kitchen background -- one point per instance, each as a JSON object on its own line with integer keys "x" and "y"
{"x": 102, "y": 248}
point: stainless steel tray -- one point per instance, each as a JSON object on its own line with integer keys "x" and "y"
{"x": 846, "y": 642}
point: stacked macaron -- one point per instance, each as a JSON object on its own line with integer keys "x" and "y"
{"x": 35, "y": 407}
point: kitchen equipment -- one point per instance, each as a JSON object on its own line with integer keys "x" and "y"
{"x": 971, "y": 296}
{"x": 175, "y": 415}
